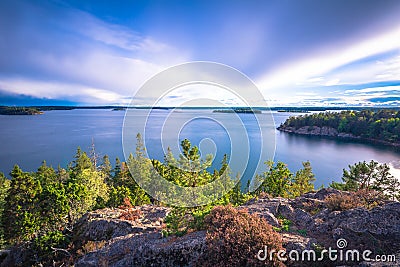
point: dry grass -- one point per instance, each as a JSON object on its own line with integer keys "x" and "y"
{"x": 234, "y": 238}
{"x": 362, "y": 198}
{"x": 129, "y": 213}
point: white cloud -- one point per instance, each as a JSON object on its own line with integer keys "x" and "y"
{"x": 96, "y": 68}
{"x": 115, "y": 35}
{"x": 374, "y": 89}
{"x": 200, "y": 95}
{"x": 54, "y": 90}
{"x": 353, "y": 97}
{"x": 319, "y": 65}
{"x": 315, "y": 80}
{"x": 82, "y": 55}
{"x": 369, "y": 72}
{"x": 332, "y": 82}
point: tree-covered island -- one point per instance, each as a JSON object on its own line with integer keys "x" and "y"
{"x": 382, "y": 126}
{"x": 19, "y": 111}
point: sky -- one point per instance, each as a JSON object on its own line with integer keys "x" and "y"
{"x": 298, "y": 53}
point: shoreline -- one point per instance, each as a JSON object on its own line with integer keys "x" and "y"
{"x": 331, "y": 133}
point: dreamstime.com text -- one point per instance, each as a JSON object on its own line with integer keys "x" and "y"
{"x": 338, "y": 254}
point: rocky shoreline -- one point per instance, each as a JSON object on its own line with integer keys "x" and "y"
{"x": 330, "y": 132}
{"x": 117, "y": 242}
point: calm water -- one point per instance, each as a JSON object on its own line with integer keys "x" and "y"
{"x": 55, "y": 135}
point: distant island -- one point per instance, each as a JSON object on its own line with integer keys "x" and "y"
{"x": 19, "y": 111}
{"x": 294, "y": 110}
{"x": 381, "y": 126}
{"x": 119, "y": 109}
{"x": 237, "y": 110}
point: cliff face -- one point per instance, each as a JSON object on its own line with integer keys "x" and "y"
{"x": 118, "y": 242}
{"x": 315, "y": 130}
{"x": 329, "y": 132}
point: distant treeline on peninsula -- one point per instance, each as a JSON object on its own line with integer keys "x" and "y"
{"x": 381, "y": 125}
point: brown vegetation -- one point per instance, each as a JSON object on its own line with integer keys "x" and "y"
{"x": 234, "y": 238}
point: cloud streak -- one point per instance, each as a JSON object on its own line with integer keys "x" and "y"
{"x": 300, "y": 72}
{"x": 79, "y": 55}
{"x": 343, "y": 67}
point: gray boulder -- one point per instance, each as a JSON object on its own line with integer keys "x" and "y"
{"x": 106, "y": 224}
{"x": 148, "y": 249}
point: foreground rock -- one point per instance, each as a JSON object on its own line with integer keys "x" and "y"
{"x": 312, "y": 226}
{"x": 148, "y": 249}
{"x": 135, "y": 243}
{"x": 118, "y": 242}
{"x": 106, "y": 224}
{"x": 375, "y": 229}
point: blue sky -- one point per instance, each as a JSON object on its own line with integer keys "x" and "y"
{"x": 302, "y": 53}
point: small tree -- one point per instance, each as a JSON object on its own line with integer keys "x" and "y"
{"x": 303, "y": 181}
{"x": 370, "y": 177}
{"x": 118, "y": 195}
{"x": 20, "y": 216}
{"x": 86, "y": 187}
{"x": 106, "y": 168}
{"x": 276, "y": 181}
{"x": 81, "y": 162}
{"x": 4, "y": 187}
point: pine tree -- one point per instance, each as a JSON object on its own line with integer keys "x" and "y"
{"x": 105, "y": 166}
{"x": 86, "y": 186}
{"x": 4, "y": 187}
{"x": 81, "y": 162}
{"x": 276, "y": 181}
{"x": 20, "y": 218}
{"x": 117, "y": 168}
{"x": 370, "y": 177}
{"x": 303, "y": 181}
{"x": 53, "y": 206}
{"x": 193, "y": 168}
{"x": 46, "y": 174}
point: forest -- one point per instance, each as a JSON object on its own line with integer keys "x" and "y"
{"x": 19, "y": 111}
{"x": 39, "y": 209}
{"x": 382, "y": 124}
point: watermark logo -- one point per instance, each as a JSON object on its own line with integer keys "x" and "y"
{"x": 341, "y": 243}
{"x": 340, "y": 253}
{"x": 247, "y": 137}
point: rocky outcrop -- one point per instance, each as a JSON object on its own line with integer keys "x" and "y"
{"x": 135, "y": 243}
{"x": 331, "y": 132}
{"x": 148, "y": 249}
{"x": 378, "y": 228}
{"x": 314, "y": 130}
{"x": 105, "y": 224}
{"x": 139, "y": 242}
{"x": 313, "y": 225}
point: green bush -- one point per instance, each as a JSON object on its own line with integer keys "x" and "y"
{"x": 50, "y": 245}
{"x": 176, "y": 222}
{"x": 278, "y": 181}
{"x": 285, "y": 224}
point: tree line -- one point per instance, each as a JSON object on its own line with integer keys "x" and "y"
{"x": 382, "y": 124}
